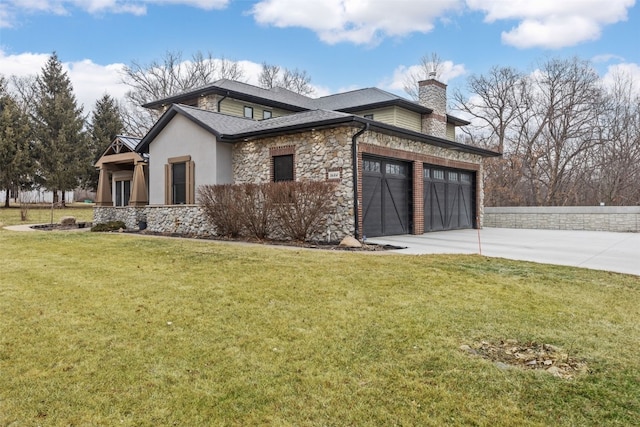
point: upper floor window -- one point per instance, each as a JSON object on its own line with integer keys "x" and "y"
{"x": 248, "y": 112}
{"x": 266, "y": 114}
{"x": 368, "y": 116}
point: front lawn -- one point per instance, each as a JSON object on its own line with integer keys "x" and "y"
{"x": 115, "y": 329}
{"x": 43, "y": 214}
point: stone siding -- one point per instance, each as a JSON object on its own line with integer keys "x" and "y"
{"x": 421, "y": 153}
{"x": 182, "y": 219}
{"x": 316, "y": 153}
{"x": 433, "y": 94}
{"x": 590, "y": 218}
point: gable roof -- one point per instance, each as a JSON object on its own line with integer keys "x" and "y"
{"x": 276, "y": 97}
{"x": 228, "y": 128}
{"x": 122, "y": 150}
{"x": 122, "y": 144}
{"x": 366, "y": 99}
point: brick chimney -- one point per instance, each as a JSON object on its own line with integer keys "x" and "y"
{"x": 433, "y": 94}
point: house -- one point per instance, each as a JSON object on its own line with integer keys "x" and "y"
{"x": 396, "y": 164}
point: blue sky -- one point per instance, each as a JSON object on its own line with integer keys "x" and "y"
{"x": 342, "y": 44}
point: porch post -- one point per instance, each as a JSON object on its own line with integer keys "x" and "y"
{"x": 103, "y": 195}
{"x": 139, "y": 195}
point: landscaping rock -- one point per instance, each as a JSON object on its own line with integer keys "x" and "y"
{"x": 68, "y": 220}
{"x": 350, "y": 242}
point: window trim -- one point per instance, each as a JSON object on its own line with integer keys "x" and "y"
{"x": 248, "y": 109}
{"x": 189, "y": 178}
{"x": 266, "y": 113}
{"x": 274, "y": 152}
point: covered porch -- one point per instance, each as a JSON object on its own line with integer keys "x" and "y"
{"x": 123, "y": 175}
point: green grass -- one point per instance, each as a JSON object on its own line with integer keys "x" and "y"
{"x": 112, "y": 329}
{"x": 41, "y": 214}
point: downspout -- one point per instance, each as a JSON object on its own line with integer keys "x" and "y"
{"x": 354, "y": 166}
{"x": 222, "y": 99}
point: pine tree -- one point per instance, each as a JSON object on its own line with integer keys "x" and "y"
{"x": 61, "y": 147}
{"x": 106, "y": 124}
{"x": 16, "y": 168}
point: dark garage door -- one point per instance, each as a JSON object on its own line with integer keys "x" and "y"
{"x": 448, "y": 199}
{"x": 386, "y": 188}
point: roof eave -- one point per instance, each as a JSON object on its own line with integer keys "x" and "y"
{"x": 211, "y": 90}
{"x": 390, "y": 103}
{"x": 164, "y": 121}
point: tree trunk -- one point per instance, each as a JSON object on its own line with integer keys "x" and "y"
{"x": 6, "y": 199}
{"x": 62, "y": 203}
{"x": 55, "y": 196}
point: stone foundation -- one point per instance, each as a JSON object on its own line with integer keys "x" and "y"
{"x": 182, "y": 219}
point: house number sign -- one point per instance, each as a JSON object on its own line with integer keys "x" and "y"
{"x": 333, "y": 175}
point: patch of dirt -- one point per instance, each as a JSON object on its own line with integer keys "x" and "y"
{"x": 510, "y": 353}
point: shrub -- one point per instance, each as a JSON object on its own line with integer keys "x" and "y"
{"x": 221, "y": 204}
{"x": 290, "y": 210}
{"x": 301, "y": 208}
{"x": 256, "y": 209}
{"x": 109, "y": 226}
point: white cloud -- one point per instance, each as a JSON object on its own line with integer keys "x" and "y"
{"x": 552, "y": 23}
{"x": 10, "y": 9}
{"x": 356, "y": 21}
{"x": 629, "y": 72}
{"x": 607, "y": 57}
{"x": 403, "y": 74}
{"x": 90, "y": 81}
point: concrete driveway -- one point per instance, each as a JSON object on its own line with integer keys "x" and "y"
{"x": 598, "y": 250}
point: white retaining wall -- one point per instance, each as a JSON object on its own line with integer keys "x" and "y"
{"x": 591, "y": 218}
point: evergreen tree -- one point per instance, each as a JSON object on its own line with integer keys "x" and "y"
{"x": 16, "y": 167}
{"x": 61, "y": 148}
{"x": 106, "y": 124}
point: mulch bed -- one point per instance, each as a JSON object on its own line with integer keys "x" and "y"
{"x": 309, "y": 245}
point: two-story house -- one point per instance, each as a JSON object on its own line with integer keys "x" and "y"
{"x": 395, "y": 163}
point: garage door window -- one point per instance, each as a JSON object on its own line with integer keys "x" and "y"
{"x": 371, "y": 166}
{"x": 395, "y": 169}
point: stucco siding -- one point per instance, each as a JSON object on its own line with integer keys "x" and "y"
{"x": 224, "y": 163}
{"x": 181, "y": 137}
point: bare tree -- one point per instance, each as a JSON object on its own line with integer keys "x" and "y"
{"x": 24, "y": 90}
{"x": 166, "y": 77}
{"x": 612, "y": 174}
{"x": 546, "y": 124}
{"x": 269, "y": 76}
{"x": 431, "y": 66}
{"x": 297, "y": 81}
